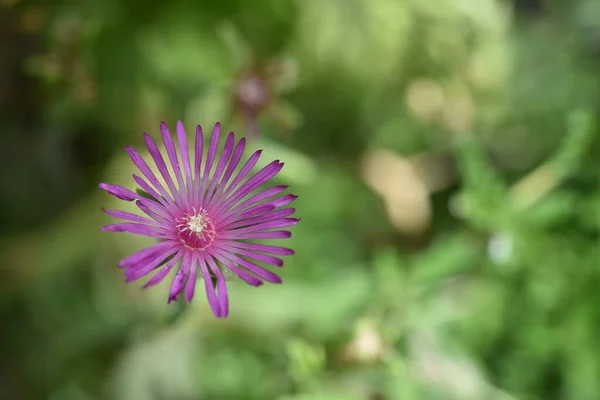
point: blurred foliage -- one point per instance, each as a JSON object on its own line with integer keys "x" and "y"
{"x": 447, "y": 158}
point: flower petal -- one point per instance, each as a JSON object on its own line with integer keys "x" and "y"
{"x": 185, "y": 154}
{"x": 151, "y": 251}
{"x": 190, "y": 285}
{"x": 261, "y": 272}
{"x": 258, "y": 179}
{"x": 275, "y": 190}
{"x": 147, "y": 172}
{"x": 261, "y": 218}
{"x": 234, "y": 235}
{"x": 210, "y": 157}
{"x": 281, "y": 251}
{"x": 137, "y": 229}
{"x": 213, "y": 301}
{"x": 157, "y": 198}
{"x": 246, "y": 168}
{"x": 246, "y": 276}
{"x": 119, "y": 192}
{"x": 220, "y": 167}
{"x": 134, "y": 273}
{"x": 223, "y": 298}
{"x": 178, "y": 281}
{"x": 279, "y": 223}
{"x": 233, "y": 163}
{"x": 197, "y": 162}
{"x": 163, "y": 272}
{"x": 160, "y": 164}
{"x": 128, "y": 216}
{"x": 152, "y": 211}
{"x": 274, "y": 261}
{"x": 172, "y": 154}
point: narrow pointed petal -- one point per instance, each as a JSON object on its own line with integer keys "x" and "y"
{"x": 233, "y": 163}
{"x": 160, "y": 164}
{"x": 147, "y": 172}
{"x": 222, "y": 297}
{"x": 261, "y": 218}
{"x": 179, "y": 281}
{"x": 258, "y": 179}
{"x": 190, "y": 286}
{"x": 220, "y": 166}
{"x": 138, "y": 229}
{"x": 129, "y": 216}
{"x": 151, "y": 251}
{"x": 210, "y": 289}
{"x": 237, "y": 213}
{"x": 261, "y": 272}
{"x": 277, "y": 224}
{"x": 133, "y": 273}
{"x": 280, "y": 251}
{"x": 246, "y": 168}
{"x": 233, "y": 235}
{"x": 119, "y": 192}
{"x": 152, "y": 211}
{"x": 185, "y": 154}
{"x": 163, "y": 272}
{"x": 270, "y": 260}
{"x": 198, "y": 162}
{"x": 275, "y": 190}
{"x": 246, "y": 276}
{"x": 210, "y": 157}
{"x": 172, "y": 154}
{"x": 157, "y": 198}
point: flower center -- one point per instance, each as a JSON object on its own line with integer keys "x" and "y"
{"x": 196, "y": 231}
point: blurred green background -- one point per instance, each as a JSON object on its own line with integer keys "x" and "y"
{"x": 447, "y": 158}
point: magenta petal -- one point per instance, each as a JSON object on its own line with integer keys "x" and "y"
{"x": 234, "y": 235}
{"x": 152, "y": 211}
{"x": 260, "y": 196}
{"x": 146, "y": 171}
{"x": 280, "y": 223}
{"x": 210, "y": 289}
{"x": 281, "y": 251}
{"x": 246, "y": 168}
{"x": 133, "y": 273}
{"x": 190, "y": 285}
{"x": 128, "y": 216}
{"x": 250, "y": 266}
{"x": 220, "y": 166}
{"x": 283, "y": 201}
{"x": 274, "y": 261}
{"x": 148, "y": 251}
{"x": 137, "y": 229}
{"x": 222, "y": 297}
{"x": 261, "y": 218}
{"x": 119, "y": 192}
{"x": 258, "y": 179}
{"x": 178, "y": 281}
{"x": 158, "y": 199}
{"x": 210, "y": 157}
{"x": 172, "y": 154}
{"x": 273, "y": 203}
{"x": 222, "y": 290}
{"x": 185, "y": 154}
{"x": 233, "y": 163}
{"x": 160, "y": 164}
{"x": 163, "y": 272}
{"x": 198, "y": 162}
{"x": 247, "y": 277}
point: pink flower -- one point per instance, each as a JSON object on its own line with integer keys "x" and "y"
{"x": 205, "y": 221}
